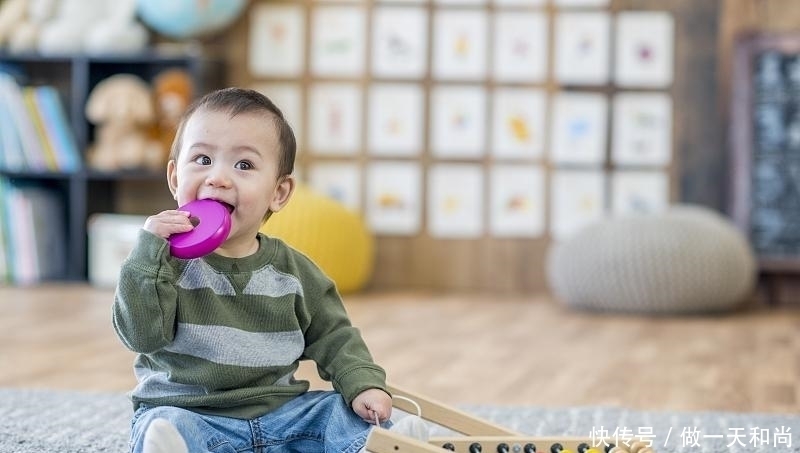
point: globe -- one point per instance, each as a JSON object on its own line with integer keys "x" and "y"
{"x": 186, "y": 19}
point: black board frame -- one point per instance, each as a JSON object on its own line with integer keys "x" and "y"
{"x": 741, "y": 137}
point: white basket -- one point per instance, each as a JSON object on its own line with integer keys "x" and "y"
{"x": 111, "y": 239}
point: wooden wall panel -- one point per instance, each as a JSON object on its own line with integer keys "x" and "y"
{"x": 517, "y": 265}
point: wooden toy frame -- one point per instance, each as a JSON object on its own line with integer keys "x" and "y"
{"x": 479, "y": 435}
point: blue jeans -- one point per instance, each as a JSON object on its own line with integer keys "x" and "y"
{"x": 313, "y": 422}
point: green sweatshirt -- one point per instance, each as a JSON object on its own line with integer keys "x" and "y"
{"x": 224, "y": 336}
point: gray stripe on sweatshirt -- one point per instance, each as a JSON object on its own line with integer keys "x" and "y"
{"x": 156, "y": 384}
{"x": 269, "y": 281}
{"x": 198, "y": 275}
{"x": 231, "y": 346}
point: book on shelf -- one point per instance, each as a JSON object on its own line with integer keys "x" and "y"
{"x": 33, "y": 242}
{"x": 5, "y": 240}
{"x": 59, "y": 132}
{"x": 35, "y": 133}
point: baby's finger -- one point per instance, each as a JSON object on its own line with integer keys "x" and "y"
{"x": 167, "y": 223}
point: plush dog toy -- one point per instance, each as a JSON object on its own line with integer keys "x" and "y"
{"x": 121, "y": 107}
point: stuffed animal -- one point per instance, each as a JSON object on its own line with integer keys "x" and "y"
{"x": 121, "y": 107}
{"x": 173, "y": 91}
{"x": 25, "y": 35}
{"x": 64, "y": 33}
{"x": 118, "y": 32}
{"x": 12, "y": 12}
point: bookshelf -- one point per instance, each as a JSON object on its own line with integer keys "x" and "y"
{"x": 85, "y": 191}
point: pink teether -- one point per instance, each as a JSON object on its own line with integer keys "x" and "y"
{"x": 213, "y": 224}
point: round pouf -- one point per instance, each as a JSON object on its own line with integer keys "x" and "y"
{"x": 688, "y": 259}
{"x": 334, "y": 237}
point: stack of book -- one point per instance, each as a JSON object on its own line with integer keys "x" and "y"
{"x": 35, "y": 134}
{"x": 32, "y": 237}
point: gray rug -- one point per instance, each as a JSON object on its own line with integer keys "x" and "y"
{"x": 42, "y": 421}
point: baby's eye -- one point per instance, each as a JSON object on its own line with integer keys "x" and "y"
{"x": 202, "y": 160}
{"x": 244, "y": 165}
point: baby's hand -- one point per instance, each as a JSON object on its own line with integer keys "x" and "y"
{"x": 166, "y": 223}
{"x": 372, "y": 402}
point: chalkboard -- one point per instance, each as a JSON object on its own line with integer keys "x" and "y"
{"x": 765, "y": 141}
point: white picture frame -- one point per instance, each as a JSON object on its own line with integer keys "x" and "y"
{"x": 518, "y": 123}
{"x": 338, "y": 41}
{"x": 460, "y": 2}
{"x": 400, "y": 42}
{"x": 642, "y": 133}
{"x": 645, "y": 54}
{"x": 395, "y": 120}
{"x": 335, "y": 119}
{"x": 288, "y": 97}
{"x": 276, "y": 45}
{"x": 460, "y": 44}
{"x": 520, "y": 47}
{"x": 582, "y": 48}
{"x": 458, "y": 121}
{"x": 393, "y": 197}
{"x": 579, "y": 128}
{"x": 577, "y": 198}
{"x": 517, "y": 201}
{"x": 581, "y": 3}
{"x": 455, "y": 201}
{"x": 639, "y": 192}
{"x": 339, "y": 180}
{"x": 530, "y": 3}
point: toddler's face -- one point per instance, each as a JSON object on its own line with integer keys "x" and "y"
{"x": 233, "y": 160}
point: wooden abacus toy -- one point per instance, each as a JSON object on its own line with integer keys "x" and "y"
{"x": 480, "y": 436}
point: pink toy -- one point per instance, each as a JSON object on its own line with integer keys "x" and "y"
{"x": 212, "y": 226}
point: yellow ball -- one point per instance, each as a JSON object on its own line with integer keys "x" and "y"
{"x": 334, "y": 237}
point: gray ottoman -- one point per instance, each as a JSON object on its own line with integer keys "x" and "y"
{"x": 688, "y": 259}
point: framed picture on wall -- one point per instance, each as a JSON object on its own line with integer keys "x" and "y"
{"x": 581, "y": 3}
{"x": 399, "y": 42}
{"x": 289, "y": 98}
{"x": 517, "y": 201}
{"x": 582, "y": 42}
{"x": 460, "y": 2}
{"x": 455, "y": 201}
{"x": 339, "y": 180}
{"x": 520, "y": 47}
{"x": 338, "y": 41}
{"x": 639, "y": 191}
{"x": 276, "y": 47}
{"x": 460, "y": 44}
{"x": 520, "y": 2}
{"x": 335, "y": 120}
{"x": 644, "y": 49}
{"x": 577, "y": 198}
{"x": 642, "y": 133}
{"x": 395, "y": 120}
{"x": 578, "y": 128}
{"x": 393, "y": 197}
{"x": 458, "y": 121}
{"x": 518, "y": 123}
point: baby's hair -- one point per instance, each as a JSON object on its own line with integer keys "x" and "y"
{"x": 240, "y": 100}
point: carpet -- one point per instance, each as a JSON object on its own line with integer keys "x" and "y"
{"x": 44, "y": 421}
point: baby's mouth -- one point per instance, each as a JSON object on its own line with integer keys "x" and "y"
{"x": 228, "y": 206}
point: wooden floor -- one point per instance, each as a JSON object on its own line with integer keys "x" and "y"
{"x": 466, "y": 349}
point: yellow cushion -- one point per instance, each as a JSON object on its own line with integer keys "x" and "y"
{"x": 333, "y": 236}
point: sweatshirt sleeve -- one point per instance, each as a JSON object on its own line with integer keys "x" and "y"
{"x": 337, "y": 347}
{"x": 145, "y": 299}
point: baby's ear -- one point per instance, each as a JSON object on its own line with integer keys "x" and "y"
{"x": 282, "y": 193}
